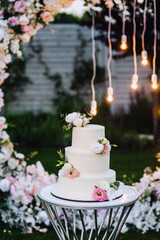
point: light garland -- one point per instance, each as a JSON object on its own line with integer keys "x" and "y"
{"x": 134, "y": 84}
{"x": 109, "y": 97}
{"x": 144, "y": 52}
{"x": 154, "y": 82}
{"x": 123, "y": 45}
{"x": 93, "y": 102}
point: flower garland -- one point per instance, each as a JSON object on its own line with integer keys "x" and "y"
{"x": 19, "y": 183}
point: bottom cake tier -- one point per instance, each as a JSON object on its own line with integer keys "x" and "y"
{"x": 81, "y": 188}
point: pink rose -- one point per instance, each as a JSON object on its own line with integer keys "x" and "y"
{"x": 31, "y": 169}
{"x": 158, "y": 192}
{"x": 105, "y": 149}
{"x": 13, "y": 21}
{"x": 46, "y": 17}
{"x": 71, "y": 173}
{"x": 26, "y": 29}
{"x": 99, "y": 195}
{"x": 20, "y": 6}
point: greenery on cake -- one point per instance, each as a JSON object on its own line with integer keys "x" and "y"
{"x": 76, "y": 119}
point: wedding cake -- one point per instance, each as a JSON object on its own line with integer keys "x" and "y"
{"x": 86, "y": 174}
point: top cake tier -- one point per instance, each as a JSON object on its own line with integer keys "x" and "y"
{"x": 84, "y": 137}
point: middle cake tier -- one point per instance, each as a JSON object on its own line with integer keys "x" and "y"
{"x": 88, "y": 164}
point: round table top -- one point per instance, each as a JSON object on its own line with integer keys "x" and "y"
{"x": 129, "y": 196}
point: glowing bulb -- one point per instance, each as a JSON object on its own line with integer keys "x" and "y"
{"x": 144, "y": 58}
{"x": 93, "y": 108}
{"x": 134, "y": 84}
{"x": 123, "y": 45}
{"x": 144, "y": 61}
{"x": 109, "y": 97}
{"x": 154, "y": 86}
{"x": 154, "y": 82}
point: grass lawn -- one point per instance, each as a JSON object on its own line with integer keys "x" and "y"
{"x": 131, "y": 163}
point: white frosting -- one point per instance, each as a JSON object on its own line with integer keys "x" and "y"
{"x": 93, "y": 168}
{"x": 84, "y": 137}
{"x": 82, "y": 187}
{"x": 88, "y": 164}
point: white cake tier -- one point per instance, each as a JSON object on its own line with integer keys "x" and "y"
{"x": 84, "y": 137}
{"x": 82, "y": 187}
{"x": 88, "y": 164}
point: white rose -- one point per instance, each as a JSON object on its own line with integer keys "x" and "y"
{"x": 15, "y": 46}
{"x": 4, "y": 136}
{"x": 23, "y": 20}
{"x": 4, "y": 185}
{"x": 2, "y": 33}
{"x": 2, "y": 158}
{"x": 78, "y": 122}
{"x": 104, "y": 185}
{"x": 71, "y": 117}
{"x": 61, "y": 172}
{"x": 8, "y": 58}
{"x": 19, "y": 53}
{"x": 2, "y": 120}
{"x": 13, "y": 163}
{"x": 67, "y": 166}
{"x": 156, "y": 174}
{"x": 111, "y": 194}
{"x": 25, "y": 37}
{"x": 19, "y": 155}
{"x": 42, "y": 216}
{"x": 97, "y": 147}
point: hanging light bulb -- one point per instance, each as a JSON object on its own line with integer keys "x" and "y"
{"x": 93, "y": 108}
{"x": 154, "y": 83}
{"x": 109, "y": 97}
{"x": 134, "y": 84}
{"x": 123, "y": 45}
{"x": 144, "y": 58}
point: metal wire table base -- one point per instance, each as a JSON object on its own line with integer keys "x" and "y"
{"x": 67, "y": 231}
{"x": 64, "y": 215}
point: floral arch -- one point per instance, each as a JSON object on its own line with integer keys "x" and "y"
{"x": 19, "y": 21}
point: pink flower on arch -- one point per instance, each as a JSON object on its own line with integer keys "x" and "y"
{"x": 71, "y": 173}
{"x": 13, "y": 21}
{"x": 99, "y": 195}
{"x": 20, "y": 6}
{"x": 26, "y": 29}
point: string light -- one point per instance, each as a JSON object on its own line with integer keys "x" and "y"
{"x": 154, "y": 82}
{"x": 93, "y": 110}
{"x": 140, "y": 1}
{"x": 134, "y": 84}
{"x": 109, "y": 97}
{"x": 123, "y": 45}
{"x": 144, "y": 52}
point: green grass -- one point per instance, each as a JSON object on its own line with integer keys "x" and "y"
{"x": 131, "y": 163}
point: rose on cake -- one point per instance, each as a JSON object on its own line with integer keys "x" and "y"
{"x": 76, "y": 119}
{"x": 102, "y": 146}
{"x": 68, "y": 171}
{"x": 105, "y": 191}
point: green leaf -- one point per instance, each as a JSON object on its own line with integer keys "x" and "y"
{"x": 116, "y": 185}
{"x": 114, "y": 145}
{"x": 60, "y": 154}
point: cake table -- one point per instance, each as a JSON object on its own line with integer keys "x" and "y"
{"x": 115, "y": 211}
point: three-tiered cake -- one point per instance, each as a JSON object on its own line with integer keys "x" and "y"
{"x": 86, "y": 174}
